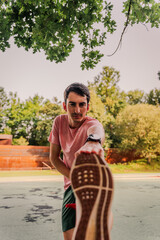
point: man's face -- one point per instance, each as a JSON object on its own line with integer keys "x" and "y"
{"x": 76, "y": 108}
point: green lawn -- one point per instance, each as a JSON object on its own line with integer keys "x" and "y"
{"x": 139, "y": 166}
{"x": 28, "y": 173}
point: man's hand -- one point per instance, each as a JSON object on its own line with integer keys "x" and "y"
{"x": 91, "y": 147}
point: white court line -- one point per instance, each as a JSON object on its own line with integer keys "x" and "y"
{"x": 138, "y": 176}
{"x": 59, "y": 178}
{"x": 32, "y": 179}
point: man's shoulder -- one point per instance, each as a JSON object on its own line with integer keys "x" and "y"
{"x": 91, "y": 120}
{"x": 61, "y": 117}
{"x": 60, "y": 120}
{"x": 88, "y": 118}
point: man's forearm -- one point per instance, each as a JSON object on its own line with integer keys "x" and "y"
{"x": 92, "y": 146}
{"x": 61, "y": 167}
{"x": 97, "y": 130}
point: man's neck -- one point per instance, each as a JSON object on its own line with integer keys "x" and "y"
{"x": 76, "y": 124}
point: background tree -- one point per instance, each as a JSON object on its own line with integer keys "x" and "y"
{"x": 51, "y": 26}
{"x": 38, "y": 119}
{"x": 97, "y": 110}
{"x": 137, "y": 127}
{"x": 48, "y": 113}
{"x": 31, "y": 110}
{"x": 135, "y": 97}
{"x": 106, "y": 87}
{"x": 13, "y": 116}
{"x": 3, "y": 104}
{"x": 29, "y": 122}
{"x": 153, "y": 97}
{"x": 20, "y": 141}
{"x": 19, "y": 118}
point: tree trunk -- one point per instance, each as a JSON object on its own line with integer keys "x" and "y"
{"x": 149, "y": 160}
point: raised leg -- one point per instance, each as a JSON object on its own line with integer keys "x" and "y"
{"x": 92, "y": 183}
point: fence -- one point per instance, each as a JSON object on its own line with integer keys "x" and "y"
{"x": 37, "y": 157}
{"x": 23, "y": 157}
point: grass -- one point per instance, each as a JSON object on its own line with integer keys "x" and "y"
{"x": 138, "y": 166}
{"x": 28, "y": 173}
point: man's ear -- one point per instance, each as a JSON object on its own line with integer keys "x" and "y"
{"x": 88, "y": 107}
{"x": 64, "y": 107}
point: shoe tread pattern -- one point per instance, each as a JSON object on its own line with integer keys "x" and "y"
{"x": 87, "y": 181}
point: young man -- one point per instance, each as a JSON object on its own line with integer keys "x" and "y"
{"x": 84, "y": 168}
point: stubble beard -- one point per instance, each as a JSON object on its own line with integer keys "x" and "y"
{"x": 77, "y": 119}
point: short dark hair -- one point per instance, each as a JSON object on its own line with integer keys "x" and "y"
{"x": 78, "y": 88}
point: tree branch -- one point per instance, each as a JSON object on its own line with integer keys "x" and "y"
{"x": 124, "y": 29}
{"x": 145, "y": 26}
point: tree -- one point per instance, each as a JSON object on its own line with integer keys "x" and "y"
{"x": 135, "y": 97}
{"x": 19, "y": 118}
{"x": 38, "y": 116}
{"x": 153, "y": 97}
{"x": 31, "y": 117}
{"x": 137, "y": 127}
{"x": 30, "y": 121}
{"x": 3, "y": 104}
{"x": 48, "y": 113}
{"x": 97, "y": 110}
{"x": 52, "y": 25}
{"x": 13, "y": 116}
{"x": 106, "y": 87}
{"x": 20, "y": 141}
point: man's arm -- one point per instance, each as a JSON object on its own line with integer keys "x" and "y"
{"x": 98, "y": 131}
{"x": 93, "y": 147}
{"x": 57, "y": 161}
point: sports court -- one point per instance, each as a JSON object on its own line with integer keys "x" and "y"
{"x": 30, "y": 207}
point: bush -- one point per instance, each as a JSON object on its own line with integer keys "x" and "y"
{"x": 20, "y": 141}
{"x": 138, "y": 127}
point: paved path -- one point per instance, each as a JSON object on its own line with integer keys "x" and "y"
{"x": 30, "y": 207}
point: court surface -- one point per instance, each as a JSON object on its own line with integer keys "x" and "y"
{"x": 30, "y": 207}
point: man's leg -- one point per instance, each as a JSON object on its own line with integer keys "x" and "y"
{"x": 68, "y": 234}
{"x": 68, "y": 214}
{"x": 92, "y": 183}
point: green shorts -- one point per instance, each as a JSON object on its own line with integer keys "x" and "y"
{"x": 68, "y": 214}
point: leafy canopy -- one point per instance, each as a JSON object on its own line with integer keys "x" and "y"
{"x": 137, "y": 127}
{"x": 135, "y": 96}
{"x": 153, "y": 97}
{"x": 29, "y": 122}
{"x": 97, "y": 110}
{"x": 106, "y": 87}
{"x": 52, "y": 25}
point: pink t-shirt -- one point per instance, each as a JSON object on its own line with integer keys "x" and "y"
{"x": 70, "y": 140}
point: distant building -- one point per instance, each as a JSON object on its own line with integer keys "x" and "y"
{"x": 5, "y": 139}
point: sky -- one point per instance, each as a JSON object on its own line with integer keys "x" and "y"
{"x": 138, "y": 61}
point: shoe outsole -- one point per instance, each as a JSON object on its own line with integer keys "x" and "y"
{"x": 92, "y": 184}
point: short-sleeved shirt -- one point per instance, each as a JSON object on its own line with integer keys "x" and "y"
{"x": 70, "y": 139}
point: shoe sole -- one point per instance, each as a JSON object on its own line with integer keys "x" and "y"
{"x": 92, "y": 184}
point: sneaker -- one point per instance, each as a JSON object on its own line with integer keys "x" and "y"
{"x": 92, "y": 183}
